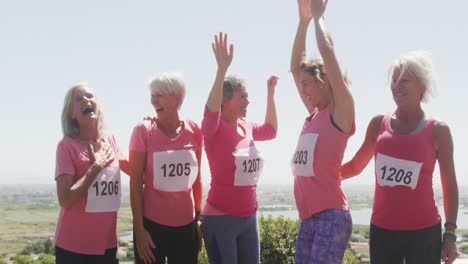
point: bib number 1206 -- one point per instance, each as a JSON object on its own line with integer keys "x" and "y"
{"x": 106, "y": 188}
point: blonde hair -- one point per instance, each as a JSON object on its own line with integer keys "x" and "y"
{"x": 316, "y": 68}
{"x": 171, "y": 83}
{"x": 418, "y": 65}
{"x": 70, "y": 126}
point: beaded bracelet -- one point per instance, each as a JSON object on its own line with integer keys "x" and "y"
{"x": 198, "y": 216}
{"x": 450, "y": 234}
{"x": 450, "y": 224}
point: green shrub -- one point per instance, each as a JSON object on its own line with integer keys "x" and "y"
{"x": 46, "y": 247}
{"x": 46, "y": 259}
{"x": 203, "y": 257}
{"x": 28, "y": 259}
{"x": 350, "y": 258}
{"x": 278, "y": 239}
{"x": 464, "y": 248}
{"x": 24, "y": 259}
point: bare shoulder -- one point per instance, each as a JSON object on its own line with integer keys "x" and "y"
{"x": 441, "y": 135}
{"x": 376, "y": 122}
{"x": 441, "y": 129}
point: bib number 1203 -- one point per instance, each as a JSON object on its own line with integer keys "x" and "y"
{"x": 397, "y": 175}
{"x": 300, "y": 157}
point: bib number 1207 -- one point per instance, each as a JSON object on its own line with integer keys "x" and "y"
{"x": 251, "y": 165}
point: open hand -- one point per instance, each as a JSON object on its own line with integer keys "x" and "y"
{"x": 222, "y": 53}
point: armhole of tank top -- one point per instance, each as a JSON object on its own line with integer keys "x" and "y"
{"x": 384, "y": 123}
{"x": 335, "y": 125}
{"x": 430, "y": 127}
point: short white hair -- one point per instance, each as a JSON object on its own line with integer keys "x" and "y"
{"x": 417, "y": 64}
{"x": 171, "y": 83}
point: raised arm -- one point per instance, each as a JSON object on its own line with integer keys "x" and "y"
{"x": 444, "y": 148}
{"x": 343, "y": 104}
{"x": 223, "y": 56}
{"x": 299, "y": 46}
{"x": 362, "y": 157}
{"x": 270, "y": 115}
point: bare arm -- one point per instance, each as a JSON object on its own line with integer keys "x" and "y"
{"x": 299, "y": 46}
{"x": 137, "y": 162}
{"x": 447, "y": 172}
{"x": 343, "y": 104}
{"x": 197, "y": 186}
{"x": 69, "y": 191}
{"x": 124, "y": 166}
{"x": 223, "y": 58}
{"x": 270, "y": 115}
{"x": 444, "y": 148}
{"x": 362, "y": 157}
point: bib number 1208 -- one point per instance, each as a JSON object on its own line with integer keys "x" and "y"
{"x": 396, "y": 175}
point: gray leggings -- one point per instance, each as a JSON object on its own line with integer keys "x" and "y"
{"x": 231, "y": 240}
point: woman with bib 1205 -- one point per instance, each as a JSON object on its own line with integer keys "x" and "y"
{"x": 165, "y": 185}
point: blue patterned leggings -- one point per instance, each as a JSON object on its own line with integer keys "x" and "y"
{"x": 323, "y": 238}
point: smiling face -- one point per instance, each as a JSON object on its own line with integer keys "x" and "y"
{"x": 313, "y": 91}
{"x": 85, "y": 109}
{"x": 406, "y": 89}
{"x": 237, "y": 104}
{"x": 165, "y": 104}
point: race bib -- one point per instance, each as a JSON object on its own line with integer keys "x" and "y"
{"x": 174, "y": 170}
{"x": 302, "y": 163}
{"x": 396, "y": 172}
{"x": 105, "y": 192}
{"x": 249, "y": 164}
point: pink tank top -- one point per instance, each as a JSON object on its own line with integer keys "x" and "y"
{"x": 404, "y": 164}
{"x": 316, "y": 166}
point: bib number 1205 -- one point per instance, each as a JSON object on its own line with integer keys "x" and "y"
{"x": 176, "y": 169}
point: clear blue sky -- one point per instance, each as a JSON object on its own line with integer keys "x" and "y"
{"x": 47, "y": 46}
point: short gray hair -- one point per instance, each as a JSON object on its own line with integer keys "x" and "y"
{"x": 231, "y": 83}
{"x": 70, "y": 126}
{"x": 417, "y": 64}
{"x": 171, "y": 83}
